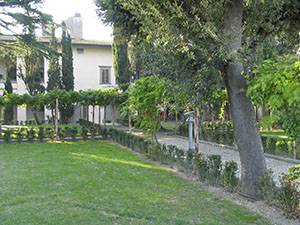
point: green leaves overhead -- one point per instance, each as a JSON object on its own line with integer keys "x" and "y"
{"x": 276, "y": 86}
{"x": 277, "y": 83}
{"x": 90, "y": 97}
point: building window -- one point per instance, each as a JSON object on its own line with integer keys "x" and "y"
{"x": 80, "y": 51}
{"x": 105, "y": 77}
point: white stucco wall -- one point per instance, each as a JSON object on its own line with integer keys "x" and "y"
{"x": 87, "y": 67}
{"x": 86, "y": 74}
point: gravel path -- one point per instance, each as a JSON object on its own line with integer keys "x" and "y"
{"x": 278, "y": 166}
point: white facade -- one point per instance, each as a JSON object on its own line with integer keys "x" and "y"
{"x": 91, "y": 60}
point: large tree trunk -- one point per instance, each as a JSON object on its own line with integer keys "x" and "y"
{"x": 245, "y": 127}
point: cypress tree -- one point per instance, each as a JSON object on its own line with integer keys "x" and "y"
{"x": 66, "y": 110}
{"x": 9, "y": 110}
{"x": 54, "y": 77}
{"x": 121, "y": 63}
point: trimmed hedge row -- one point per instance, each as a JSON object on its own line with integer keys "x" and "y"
{"x": 210, "y": 169}
{"x": 275, "y": 146}
{"x": 170, "y": 154}
{"x": 88, "y": 130}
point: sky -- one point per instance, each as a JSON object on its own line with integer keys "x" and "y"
{"x": 93, "y": 28}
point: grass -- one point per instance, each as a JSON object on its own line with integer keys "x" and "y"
{"x": 278, "y": 133}
{"x": 169, "y": 125}
{"x": 101, "y": 183}
{"x": 275, "y": 134}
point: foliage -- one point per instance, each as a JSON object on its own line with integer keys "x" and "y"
{"x": 27, "y": 16}
{"x": 214, "y": 168}
{"x": 93, "y": 130}
{"x": 30, "y": 134}
{"x": 289, "y": 196}
{"x": 41, "y": 134}
{"x": 20, "y": 135}
{"x": 61, "y": 134}
{"x": 7, "y": 135}
{"x": 214, "y": 35}
{"x": 145, "y": 100}
{"x": 230, "y": 180}
{"x": 277, "y": 87}
{"x": 50, "y": 133}
{"x": 270, "y": 122}
{"x": 201, "y": 166}
{"x": 121, "y": 63}
{"x": 66, "y": 110}
{"x": 74, "y": 133}
{"x": 8, "y": 110}
{"x": 54, "y": 76}
{"x": 268, "y": 187}
{"x": 84, "y": 133}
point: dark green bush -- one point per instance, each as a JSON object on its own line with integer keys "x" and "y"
{"x": 84, "y": 133}
{"x": 268, "y": 187}
{"x": 41, "y": 134}
{"x": 289, "y": 197}
{"x": 30, "y": 134}
{"x": 214, "y": 165}
{"x": 230, "y": 180}
{"x": 93, "y": 131}
{"x": 20, "y": 135}
{"x": 73, "y": 133}
{"x": 201, "y": 166}
{"x": 7, "y": 135}
{"x": 68, "y": 131}
{"x": 61, "y": 134}
{"x": 50, "y": 133}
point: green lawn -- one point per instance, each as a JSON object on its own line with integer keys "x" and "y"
{"x": 275, "y": 134}
{"x": 101, "y": 183}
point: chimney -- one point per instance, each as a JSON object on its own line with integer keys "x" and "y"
{"x": 74, "y": 23}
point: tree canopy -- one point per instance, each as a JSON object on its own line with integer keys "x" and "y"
{"x": 224, "y": 36}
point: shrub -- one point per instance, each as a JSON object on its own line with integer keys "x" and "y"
{"x": 68, "y": 131}
{"x": 84, "y": 132}
{"x": 288, "y": 196}
{"x": 73, "y": 132}
{"x": 214, "y": 165}
{"x": 50, "y": 133}
{"x": 41, "y": 134}
{"x": 93, "y": 130}
{"x": 201, "y": 166}
{"x": 269, "y": 122}
{"x": 229, "y": 178}
{"x": 30, "y": 134}
{"x": 61, "y": 134}
{"x": 7, "y": 135}
{"x": 20, "y": 134}
{"x": 268, "y": 187}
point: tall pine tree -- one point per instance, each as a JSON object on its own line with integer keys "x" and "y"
{"x": 66, "y": 110}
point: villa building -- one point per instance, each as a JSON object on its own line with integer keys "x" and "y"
{"x": 93, "y": 69}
